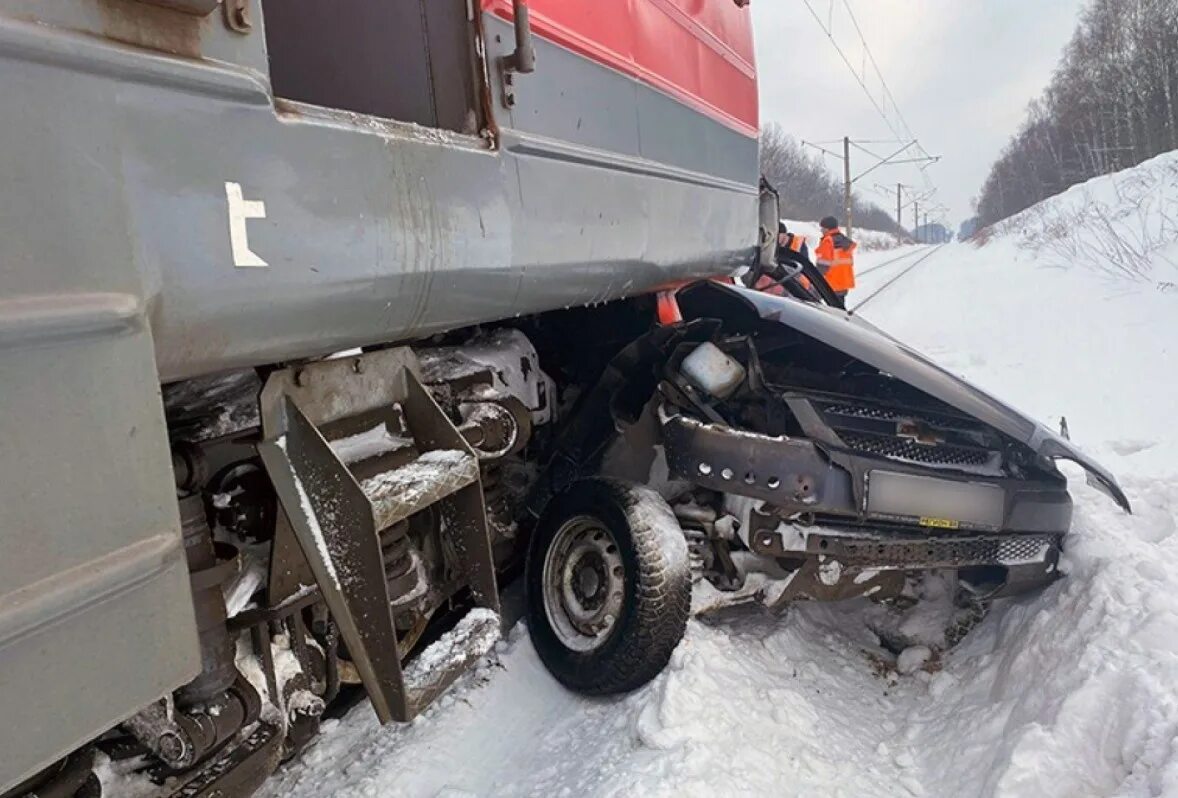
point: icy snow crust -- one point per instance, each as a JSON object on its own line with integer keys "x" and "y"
{"x": 368, "y": 444}
{"x": 1070, "y": 692}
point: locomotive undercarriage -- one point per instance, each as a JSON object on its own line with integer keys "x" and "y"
{"x": 437, "y": 441}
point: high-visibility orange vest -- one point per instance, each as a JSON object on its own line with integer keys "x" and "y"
{"x": 796, "y": 242}
{"x": 840, "y": 262}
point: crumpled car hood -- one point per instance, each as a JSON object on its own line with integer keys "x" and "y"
{"x": 863, "y": 341}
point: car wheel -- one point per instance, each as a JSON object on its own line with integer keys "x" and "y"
{"x": 608, "y": 586}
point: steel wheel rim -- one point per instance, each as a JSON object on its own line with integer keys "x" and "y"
{"x": 583, "y": 583}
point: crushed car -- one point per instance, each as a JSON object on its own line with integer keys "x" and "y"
{"x": 804, "y": 453}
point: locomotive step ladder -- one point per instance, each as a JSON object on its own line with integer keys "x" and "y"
{"x": 325, "y": 425}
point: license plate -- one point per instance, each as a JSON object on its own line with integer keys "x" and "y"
{"x": 935, "y": 503}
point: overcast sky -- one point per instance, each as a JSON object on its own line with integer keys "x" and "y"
{"x": 961, "y": 71}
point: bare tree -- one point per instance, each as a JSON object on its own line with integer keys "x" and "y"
{"x": 808, "y": 190}
{"x": 1112, "y": 103}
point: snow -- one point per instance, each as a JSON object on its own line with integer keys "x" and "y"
{"x": 1123, "y": 226}
{"x": 411, "y": 483}
{"x": 370, "y": 443}
{"x": 829, "y": 571}
{"x": 471, "y": 638}
{"x": 124, "y": 777}
{"x": 293, "y": 700}
{"x": 868, "y": 240}
{"x": 513, "y": 363}
{"x": 913, "y": 658}
{"x": 241, "y": 589}
{"x": 205, "y": 408}
{"x": 1072, "y": 691}
{"x": 651, "y": 511}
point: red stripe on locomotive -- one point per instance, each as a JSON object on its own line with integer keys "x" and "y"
{"x": 700, "y": 53}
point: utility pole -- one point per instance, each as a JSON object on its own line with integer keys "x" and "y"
{"x": 916, "y": 220}
{"x": 899, "y": 223}
{"x": 847, "y": 182}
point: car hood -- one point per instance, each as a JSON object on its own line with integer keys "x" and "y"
{"x": 865, "y": 342}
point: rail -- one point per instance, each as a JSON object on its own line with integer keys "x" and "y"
{"x": 893, "y": 280}
{"x": 887, "y": 263}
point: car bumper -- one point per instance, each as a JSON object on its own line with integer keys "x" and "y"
{"x": 831, "y": 563}
{"x": 819, "y": 518}
{"x": 797, "y": 476}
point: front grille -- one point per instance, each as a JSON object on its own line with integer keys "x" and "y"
{"x": 871, "y": 412}
{"x": 945, "y": 552}
{"x": 908, "y": 449}
{"x": 862, "y": 411}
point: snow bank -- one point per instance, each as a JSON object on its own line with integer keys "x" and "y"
{"x": 1053, "y": 339}
{"x": 1073, "y": 692}
{"x": 868, "y": 240}
{"x": 1123, "y": 226}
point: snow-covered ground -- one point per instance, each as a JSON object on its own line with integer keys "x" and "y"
{"x": 1072, "y": 692}
{"x": 868, "y": 240}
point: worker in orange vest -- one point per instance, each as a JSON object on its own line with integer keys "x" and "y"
{"x": 836, "y": 257}
{"x": 792, "y": 253}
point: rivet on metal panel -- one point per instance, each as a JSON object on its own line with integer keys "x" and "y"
{"x": 237, "y": 16}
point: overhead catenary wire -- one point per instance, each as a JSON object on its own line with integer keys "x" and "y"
{"x": 859, "y": 141}
{"x": 828, "y": 29}
{"x": 905, "y": 127}
{"x": 894, "y": 120}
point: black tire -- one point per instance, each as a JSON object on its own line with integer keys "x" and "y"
{"x": 656, "y": 587}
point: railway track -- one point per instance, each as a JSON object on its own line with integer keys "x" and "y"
{"x": 924, "y": 256}
{"x": 889, "y": 262}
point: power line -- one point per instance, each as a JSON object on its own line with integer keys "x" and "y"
{"x": 878, "y": 72}
{"x": 822, "y": 149}
{"x": 849, "y": 181}
{"x": 905, "y": 127}
{"x": 859, "y": 141}
{"x": 899, "y": 125}
{"x": 829, "y": 31}
{"x": 907, "y": 130}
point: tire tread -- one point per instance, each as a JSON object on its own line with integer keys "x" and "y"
{"x": 662, "y": 599}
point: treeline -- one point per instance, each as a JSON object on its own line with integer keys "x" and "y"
{"x": 808, "y": 190}
{"x": 1112, "y": 103}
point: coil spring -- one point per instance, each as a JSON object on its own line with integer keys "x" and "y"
{"x": 396, "y": 550}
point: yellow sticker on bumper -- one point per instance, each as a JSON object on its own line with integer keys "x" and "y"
{"x": 940, "y": 523}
